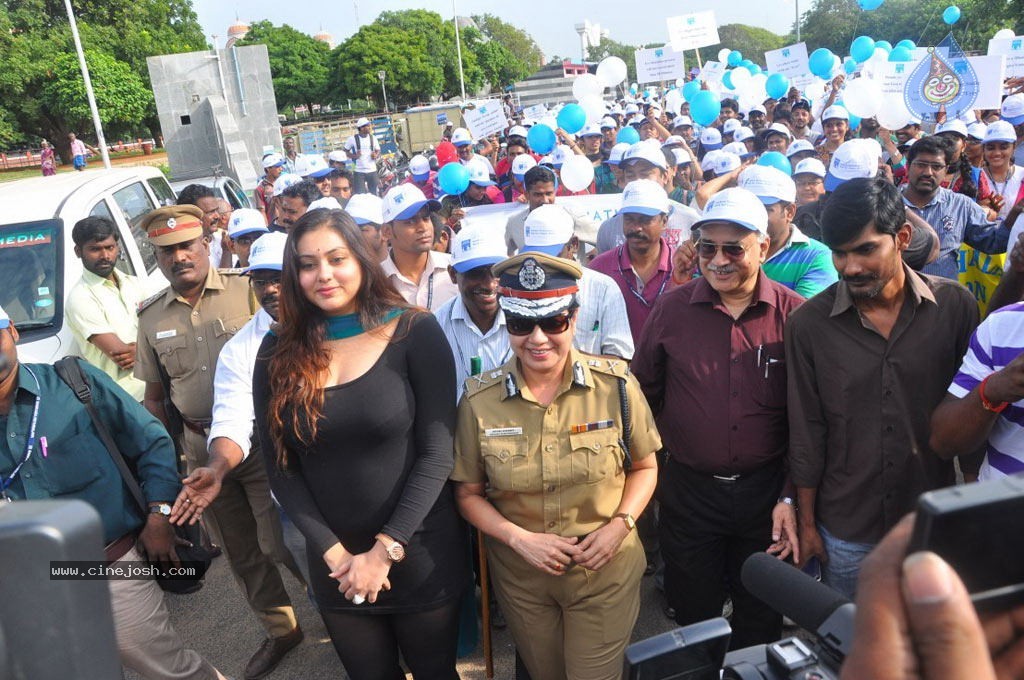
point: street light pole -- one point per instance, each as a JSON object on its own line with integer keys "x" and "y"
{"x": 458, "y": 48}
{"x": 797, "y": 20}
{"x": 100, "y": 139}
{"x": 382, "y": 75}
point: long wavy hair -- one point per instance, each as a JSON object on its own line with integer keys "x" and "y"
{"x": 298, "y": 367}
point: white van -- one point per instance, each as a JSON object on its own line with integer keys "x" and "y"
{"x": 38, "y": 266}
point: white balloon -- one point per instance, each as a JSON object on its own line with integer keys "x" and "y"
{"x": 815, "y": 90}
{"x": 577, "y": 173}
{"x": 673, "y": 100}
{"x": 723, "y": 54}
{"x": 740, "y": 77}
{"x": 880, "y": 54}
{"x": 894, "y": 113}
{"x": 595, "y": 108}
{"x": 587, "y": 85}
{"x": 611, "y": 71}
{"x": 1004, "y": 34}
{"x": 862, "y": 97}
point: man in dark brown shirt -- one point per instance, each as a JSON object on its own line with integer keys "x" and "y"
{"x": 869, "y": 360}
{"x": 711, "y": 364}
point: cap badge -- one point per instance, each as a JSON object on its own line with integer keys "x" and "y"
{"x": 171, "y": 223}
{"x": 531, "y": 276}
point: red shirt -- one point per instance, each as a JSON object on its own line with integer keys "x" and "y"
{"x": 717, "y": 385}
{"x": 640, "y": 298}
{"x": 428, "y": 188}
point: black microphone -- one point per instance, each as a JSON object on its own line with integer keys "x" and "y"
{"x": 813, "y": 606}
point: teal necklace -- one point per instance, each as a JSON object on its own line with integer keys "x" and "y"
{"x": 348, "y": 325}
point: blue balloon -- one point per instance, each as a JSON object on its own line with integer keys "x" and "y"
{"x": 627, "y": 135}
{"x": 727, "y": 80}
{"x": 705, "y": 108}
{"x": 821, "y": 62}
{"x": 885, "y": 45}
{"x": 735, "y": 57}
{"x": 454, "y": 178}
{"x": 753, "y": 68}
{"x": 850, "y": 66}
{"x": 909, "y": 44}
{"x": 900, "y": 54}
{"x": 854, "y": 122}
{"x": 572, "y": 118}
{"x": 870, "y": 4}
{"x": 776, "y": 86}
{"x": 951, "y": 15}
{"x": 691, "y": 88}
{"x": 862, "y": 48}
{"x": 777, "y": 160}
{"x": 541, "y": 139}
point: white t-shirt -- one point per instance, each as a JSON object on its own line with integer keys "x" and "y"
{"x": 365, "y": 147}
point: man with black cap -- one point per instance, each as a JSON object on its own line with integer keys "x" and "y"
{"x": 800, "y": 121}
{"x": 181, "y": 332}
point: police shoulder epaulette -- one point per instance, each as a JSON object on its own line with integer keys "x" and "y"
{"x": 151, "y": 299}
{"x": 616, "y": 367}
{"x": 478, "y": 383}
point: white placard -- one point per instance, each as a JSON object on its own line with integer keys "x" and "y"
{"x": 892, "y": 77}
{"x": 597, "y": 207}
{"x": 690, "y": 31}
{"x": 658, "y": 64}
{"x": 712, "y": 71}
{"x": 1013, "y": 50}
{"x": 486, "y": 119}
{"x": 790, "y": 61}
{"x": 536, "y": 112}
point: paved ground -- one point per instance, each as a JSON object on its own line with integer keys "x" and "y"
{"x": 217, "y": 622}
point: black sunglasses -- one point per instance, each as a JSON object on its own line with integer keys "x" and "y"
{"x": 263, "y": 283}
{"x": 549, "y": 325}
{"x": 708, "y": 250}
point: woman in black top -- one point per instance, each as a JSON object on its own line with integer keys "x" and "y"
{"x": 354, "y": 396}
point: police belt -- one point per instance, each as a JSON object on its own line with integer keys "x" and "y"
{"x": 198, "y": 426}
{"x": 120, "y": 547}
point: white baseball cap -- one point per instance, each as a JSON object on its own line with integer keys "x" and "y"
{"x": 977, "y": 130}
{"x": 547, "y": 229}
{"x": 461, "y": 137}
{"x": 835, "y": 111}
{"x": 286, "y": 180}
{"x": 779, "y": 129}
{"x": 725, "y": 163}
{"x": 1012, "y": 109}
{"x": 673, "y": 140}
{"x": 419, "y": 165}
{"x": 742, "y": 135}
{"x": 711, "y": 138}
{"x": 366, "y": 209}
{"x": 617, "y": 152}
{"x": 770, "y": 185}
{"x": 478, "y": 173}
{"x": 405, "y": 200}
{"x": 682, "y": 121}
{"x": 757, "y": 108}
{"x": 608, "y": 123}
{"x": 738, "y": 206}
{"x": 337, "y": 156}
{"x": 1000, "y": 131}
{"x": 246, "y": 221}
{"x": 810, "y": 166}
{"x": 362, "y": 121}
{"x": 798, "y": 146}
{"x": 267, "y": 252}
{"x": 522, "y": 163}
{"x": 731, "y": 126}
{"x": 708, "y": 162}
{"x": 312, "y": 165}
{"x": 682, "y": 157}
{"x": 632, "y": 108}
{"x": 851, "y": 160}
{"x": 325, "y": 203}
{"x": 644, "y": 196}
{"x": 956, "y": 125}
{"x": 560, "y": 155}
{"x": 478, "y": 247}
{"x": 737, "y": 148}
{"x": 647, "y": 151}
{"x": 517, "y": 131}
{"x": 272, "y": 160}
{"x": 592, "y": 130}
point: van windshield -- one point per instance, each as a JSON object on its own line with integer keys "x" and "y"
{"x": 30, "y": 273}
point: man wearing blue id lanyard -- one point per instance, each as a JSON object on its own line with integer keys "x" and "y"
{"x": 49, "y": 448}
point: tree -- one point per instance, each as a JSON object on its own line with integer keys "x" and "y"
{"x": 440, "y": 39}
{"x": 500, "y": 67}
{"x": 299, "y": 64}
{"x": 514, "y": 40}
{"x": 121, "y": 96}
{"x": 751, "y": 41}
{"x": 412, "y": 75}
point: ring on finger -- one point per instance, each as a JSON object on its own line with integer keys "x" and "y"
{"x": 358, "y": 599}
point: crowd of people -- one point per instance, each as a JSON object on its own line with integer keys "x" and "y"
{"x": 750, "y": 354}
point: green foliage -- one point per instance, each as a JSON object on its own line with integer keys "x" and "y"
{"x": 751, "y": 41}
{"x": 518, "y": 52}
{"x": 121, "y": 96}
{"x": 412, "y": 74}
{"x": 500, "y": 67}
{"x": 298, "y": 63}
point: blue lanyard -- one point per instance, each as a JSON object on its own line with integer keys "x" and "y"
{"x": 29, "y": 445}
{"x": 636, "y": 293}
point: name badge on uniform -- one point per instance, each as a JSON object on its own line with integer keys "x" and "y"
{"x": 163, "y": 335}
{"x": 503, "y": 431}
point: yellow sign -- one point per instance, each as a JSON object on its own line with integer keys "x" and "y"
{"x": 980, "y": 273}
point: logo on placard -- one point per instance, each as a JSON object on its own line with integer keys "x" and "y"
{"x": 659, "y": 53}
{"x": 690, "y": 21}
{"x": 483, "y": 109}
{"x": 1015, "y": 45}
{"x": 785, "y": 52}
{"x": 900, "y": 68}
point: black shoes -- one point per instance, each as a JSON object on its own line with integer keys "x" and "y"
{"x": 270, "y": 654}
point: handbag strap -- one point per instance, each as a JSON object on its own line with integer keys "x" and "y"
{"x": 70, "y": 371}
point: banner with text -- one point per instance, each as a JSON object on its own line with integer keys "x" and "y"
{"x": 1013, "y": 50}
{"x": 690, "y": 31}
{"x": 893, "y": 75}
{"x": 658, "y": 64}
{"x": 486, "y": 119}
{"x": 790, "y": 61}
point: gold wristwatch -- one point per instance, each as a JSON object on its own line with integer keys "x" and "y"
{"x": 394, "y": 549}
{"x": 628, "y": 519}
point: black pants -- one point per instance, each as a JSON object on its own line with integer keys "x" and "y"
{"x": 369, "y": 645}
{"x": 365, "y": 183}
{"x": 708, "y": 528}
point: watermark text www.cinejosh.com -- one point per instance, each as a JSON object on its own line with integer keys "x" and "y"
{"x": 118, "y": 571}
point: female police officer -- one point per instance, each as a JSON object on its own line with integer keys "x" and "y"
{"x": 544, "y": 470}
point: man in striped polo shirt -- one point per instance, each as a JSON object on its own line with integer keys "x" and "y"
{"x": 984, "y": 406}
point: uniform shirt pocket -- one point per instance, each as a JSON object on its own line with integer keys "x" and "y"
{"x": 506, "y": 463}
{"x": 172, "y": 354}
{"x": 228, "y": 327}
{"x": 594, "y": 455}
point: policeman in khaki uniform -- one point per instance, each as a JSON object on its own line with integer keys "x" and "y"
{"x": 181, "y": 332}
{"x": 543, "y": 471}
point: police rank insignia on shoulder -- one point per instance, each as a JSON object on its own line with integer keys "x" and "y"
{"x": 531, "y": 275}
{"x": 478, "y": 383}
{"x": 150, "y": 300}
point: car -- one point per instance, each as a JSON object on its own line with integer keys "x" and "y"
{"x": 38, "y": 266}
{"x": 224, "y": 187}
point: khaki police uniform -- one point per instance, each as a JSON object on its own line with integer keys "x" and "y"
{"x": 547, "y": 472}
{"x": 178, "y": 345}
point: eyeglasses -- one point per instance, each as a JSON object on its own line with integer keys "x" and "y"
{"x": 549, "y": 325}
{"x": 266, "y": 283}
{"x": 934, "y": 167}
{"x": 804, "y": 183}
{"x": 708, "y": 250}
{"x": 245, "y": 240}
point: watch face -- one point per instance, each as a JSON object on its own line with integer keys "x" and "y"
{"x": 162, "y": 509}
{"x": 396, "y": 552}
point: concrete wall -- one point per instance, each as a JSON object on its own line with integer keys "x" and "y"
{"x": 229, "y": 125}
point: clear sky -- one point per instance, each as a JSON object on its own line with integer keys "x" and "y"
{"x": 550, "y": 22}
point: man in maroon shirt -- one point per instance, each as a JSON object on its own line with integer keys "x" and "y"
{"x": 711, "y": 363}
{"x": 642, "y": 266}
